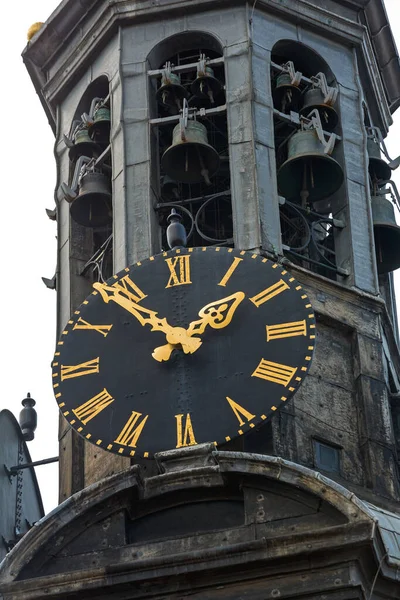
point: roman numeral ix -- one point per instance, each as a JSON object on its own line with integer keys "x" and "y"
{"x": 85, "y": 368}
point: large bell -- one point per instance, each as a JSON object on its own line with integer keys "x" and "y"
{"x": 379, "y": 170}
{"x": 83, "y": 146}
{"x": 99, "y": 128}
{"x": 308, "y": 170}
{"x": 171, "y": 92}
{"x": 314, "y": 99}
{"x": 93, "y": 205}
{"x": 386, "y": 234}
{"x": 190, "y": 158}
{"x": 286, "y": 96}
{"x": 206, "y": 85}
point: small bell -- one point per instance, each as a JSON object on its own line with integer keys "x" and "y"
{"x": 92, "y": 207}
{"x": 169, "y": 188}
{"x": 99, "y": 128}
{"x": 171, "y": 92}
{"x": 82, "y": 145}
{"x": 206, "y": 85}
{"x": 378, "y": 169}
{"x": 176, "y": 233}
{"x": 286, "y": 95}
{"x": 386, "y": 234}
{"x": 314, "y": 99}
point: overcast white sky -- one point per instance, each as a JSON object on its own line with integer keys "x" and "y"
{"x": 28, "y": 239}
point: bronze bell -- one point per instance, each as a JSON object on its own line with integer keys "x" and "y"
{"x": 99, "y": 128}
{"x": 378, "y": 169}
{"x": 190, "y": 158}
{"x": 199, "y": 102}
{"x": 171, "y": 92}
{"x": 93, "y": 205}
{"x": 286, "y": 96}
{"x": 308, "y": 169}
{"x": 206, "y": 85}
{"x": 386, "y": 234}
{"x": 83, "y": 145}
{"x": 169, "y": 188}
{"x": 314, "y": 99}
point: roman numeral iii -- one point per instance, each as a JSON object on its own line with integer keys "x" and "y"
{"x": 85, "y": 368}
{"x": 179, "y": 268}
{"x": 93, "y": 407}
{"x": 274, "y": 372}
{"x": 285, "y": 330}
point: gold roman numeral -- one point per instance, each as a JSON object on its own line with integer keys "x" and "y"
{"x": 284, "y": 330}
{"x": 93, "y": 407}
{"x": 179, "y": 268}
{"x": 81, "y": 324}
{"x": 270, "y": 292}
{"x": 230, "y": 271}
{"x": 274, "y": 372}
{"x": 86, "y": 368}
{"x": 126, "y": 286}
{"x": 130, "y": 434}
{"x": 240, "y": 412}
{"x": 184, "y": 435}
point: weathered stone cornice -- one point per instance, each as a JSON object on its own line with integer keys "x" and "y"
{"x": 70, "y": 25}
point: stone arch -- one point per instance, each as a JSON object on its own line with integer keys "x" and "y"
{"x": 119, "y": 525}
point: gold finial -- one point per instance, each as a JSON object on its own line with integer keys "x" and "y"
{"x": 33, "y": 29}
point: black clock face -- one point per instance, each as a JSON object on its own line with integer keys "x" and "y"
{"x": 189, "y": 346}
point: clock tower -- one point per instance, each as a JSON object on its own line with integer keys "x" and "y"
{"x": 227, "y": 364}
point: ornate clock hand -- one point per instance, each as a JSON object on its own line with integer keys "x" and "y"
{"x": 175, "y": 335}
{"x": 216, "y": 314}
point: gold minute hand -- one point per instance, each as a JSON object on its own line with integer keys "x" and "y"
{"x": 175, "y": 335}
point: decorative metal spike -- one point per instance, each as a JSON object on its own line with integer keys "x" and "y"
{"x": 28, "y": 418}
{"x": 52, "y": 214}
{"x": 50, "y": 283}
{"x": 176, "y": 232}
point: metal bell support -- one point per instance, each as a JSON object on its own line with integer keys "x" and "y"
{"x": 99, "y": 127}
{"x": 171, "y": 92}
{"x": 309, "y": 173}
{"x": 379, "y": 170}
{"x": 321, "y": 97}
{"x": 82, "y": 145}
{"x": 286, "y": 94}
{"x": 190, "y": 158}
{"x": 386, "y": 233}
{"x": 205, "y": 85}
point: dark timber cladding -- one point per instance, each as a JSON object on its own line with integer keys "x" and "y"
{"x": 259, "y": 129}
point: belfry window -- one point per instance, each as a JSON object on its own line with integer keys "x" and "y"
{"x": 308, "y": 157}
{"x": 88, "y": 190}
{"x": 190, "y": 159}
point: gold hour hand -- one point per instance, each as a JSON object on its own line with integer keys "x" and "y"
{"x": 216, "y": 314}
{"x": 142, "y": 314}
{"x": 176, "y": 336}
